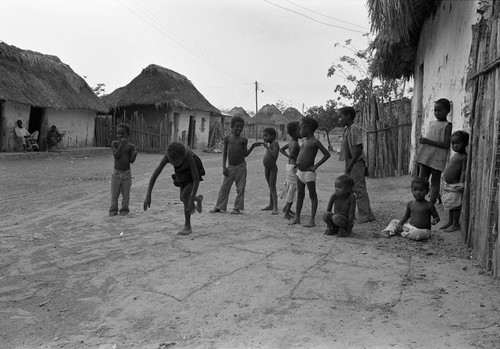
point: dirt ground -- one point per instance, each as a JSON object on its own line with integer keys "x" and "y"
{"x": 72, "y": 277}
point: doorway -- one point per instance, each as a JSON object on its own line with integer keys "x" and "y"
{"x": 191, "y": 132}
{"x": 35, "y": 121}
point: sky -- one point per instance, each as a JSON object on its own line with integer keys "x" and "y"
{"x": 222, "y": 46}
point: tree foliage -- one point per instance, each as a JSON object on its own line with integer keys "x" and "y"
{"x": 99, "y": 90}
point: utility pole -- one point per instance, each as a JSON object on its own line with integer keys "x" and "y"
{"x": 256, "y": 103}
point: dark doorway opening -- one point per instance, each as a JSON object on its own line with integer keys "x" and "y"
{"x": 35, "y": 121}
{"x": 191, "y": 132}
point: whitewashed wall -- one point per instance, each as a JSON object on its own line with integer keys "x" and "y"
{"x": 11, "y": 112}
{"x": 201, "y": 131}
{"x": 77, "y": 126}
{"x": 444, "y": 49}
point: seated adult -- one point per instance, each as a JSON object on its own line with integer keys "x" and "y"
{"x": 23, "y": 136}
{"x": 53, "y": 138}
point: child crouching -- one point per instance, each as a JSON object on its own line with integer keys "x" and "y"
{"x": 343, "y": 202}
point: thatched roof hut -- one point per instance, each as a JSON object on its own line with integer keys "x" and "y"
{"x": 43, "y": 81}
{"x": 398, "y": 25}
{"x": 269, "y": 114}
{"x": 161, "y": 87}
{"x": 292, "y": 114}
{"x": 239, "y": 111}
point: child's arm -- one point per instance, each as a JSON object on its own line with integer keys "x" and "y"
{"x": 196, "y": 182}
{"x": 224, "y": 156}
{"x": 249, "y": 150}
{"x": 435, "y": 215}
{"x": 464, "y": 167}
{"x": 283, "y": 150}
{"x": 445, "y": 144}
{"x": 358, "y": 150}
{"x": 156, "y": 173}
{"x": 116, "y": 147}
{"x": 405, "y": 218}
{"x": 326, "y": 155}
{"x": 330, "y": 203}
{"x": 133, "y": 153}
{"x": 352, "y": 213}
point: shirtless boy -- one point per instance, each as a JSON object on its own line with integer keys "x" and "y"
{"x": 270, "y": 169}
{"x": 454, "y": 179}
{"x": 306, "y": 169}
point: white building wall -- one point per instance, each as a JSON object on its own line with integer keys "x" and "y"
{"x": 202, "y": 130}
{"x": 76, "y": 125}
{"x": 11, "y": 112}
{"x": 444, "y": 49}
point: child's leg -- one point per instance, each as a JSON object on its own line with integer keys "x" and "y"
{"x": 425, "y": 171}
{"x": 435, "y": 186}
{"x": 126, "y": 184}
{"x": 273, "y": 175}
{"x": 267, "y": 174}
{"x": 288, "y": 210}
{"x": 301, "y": 193}
{"x": 199, "y": 200}
{"x": 311, "y": 186}
{"x": 455, "y": 219}
{"x": 327, "y": 218}
{"x": 185, "y": 196}
{"x": 115, "y": 193}
{"x": 223, "y": 197}
{"x": 240, "y": 178}
{"x": 450, "y": 221}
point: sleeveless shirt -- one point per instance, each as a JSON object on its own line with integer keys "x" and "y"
{"x": 432, "y": 156}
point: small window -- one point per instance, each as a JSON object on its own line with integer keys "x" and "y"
{"x": 203, "y": 120}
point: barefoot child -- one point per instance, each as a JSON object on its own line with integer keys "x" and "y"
{"x": 454, "y": 178}
{"x": 124, "y": 154}
{"x": 288, "y": 190}
{"x": 421, "y": 213}
{"x": 306, "y": 169}
{"x": 235, "y": 152}
{"x": 270, "y": 169}
{"x": 343, "y": 202}
{"x": 433, "y": 153}
{"x": 188, "y": 170}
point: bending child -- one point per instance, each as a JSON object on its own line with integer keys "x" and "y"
{"x": 343, "y": 202}
{"x": 189, "y": 172}
{"x": 421, "y": 213}
{"x": 433, "y": 153}
{"x": 270, "y": 169}
{"x": 288, "y": 190}
{"x": 124, "y": 154}
{"x": 235, "y": 152}
{"x": 454, "y": 179}
{"x": 306, "y": 169}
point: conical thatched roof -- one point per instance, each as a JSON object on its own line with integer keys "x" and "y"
{"x": 398, "y": 25}
{"x": 162, "y": 88}
{"x": 39, "y": 80}
{"x": 239, "y": 111}
{"x": 292, "y": 114}
{"x": 269, "y": 114}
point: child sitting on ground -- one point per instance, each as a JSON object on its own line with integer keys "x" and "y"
{"x": 288, "y": 190}
{"x": 343, "y": 202}
{"x": 454, "y": 178}
{"x": 189, "y": 172}
{"x": 306, "y": 169}
{"x": 421, "y": 213}
{"x": 270, "y": 169}
{"x": 124, "y": 154}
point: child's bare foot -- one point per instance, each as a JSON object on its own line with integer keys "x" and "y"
{"x": 452, "y": 228}
{"x": 295, "y": 221}
{"x": 199, "y": 199}
{"x": 343, "y": 233}
{"x": 330, "y": 231}
{"x": 275, "y": 211}
{"x": 447, "y": 225}
{"x": 310, "y": 224}
{"x": 185, "y": 231}
{"x": 289, "y": 216}
{"x": 235, "y": 211}
{"x": 215, "y": 210}
{"x": 267, "y": 208}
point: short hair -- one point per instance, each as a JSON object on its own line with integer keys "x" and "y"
{"x": 176, "y": 151}
{"x": 236, "y": 119}
{"x": 310, "y": 122}
{"x": 445, "y": 103}
{"x": 125, "y": 127}
{"x": 346, "y": 180}
{"x": 420, "y": 180}
{"x": 271, "y": 131}
{"x": 348, "y": 111}
{"x": 462, "y": 135}
{"x": 292, "y": 128}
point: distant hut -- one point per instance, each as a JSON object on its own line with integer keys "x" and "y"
{"x": 41, "y": 91}
{"x": 249, "y": 122}
{"x": 270, "y": 116}
{"x": 292, "y": 114}
{"x": 163, "y": 106}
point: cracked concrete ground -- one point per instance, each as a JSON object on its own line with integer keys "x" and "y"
{"x": 72, "y": 277}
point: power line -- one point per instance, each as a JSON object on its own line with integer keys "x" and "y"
{"x": 314, "y": 19}
{"x": 321, "y": 14}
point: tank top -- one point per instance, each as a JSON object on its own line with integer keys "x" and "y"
{"x": 432, "y": 156}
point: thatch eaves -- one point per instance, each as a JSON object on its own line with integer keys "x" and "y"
{"x": 398, "y": 25}
{"x": 40, "y": 80}
{"x": 162, "y": 88}
{"x": 292, "y": 114}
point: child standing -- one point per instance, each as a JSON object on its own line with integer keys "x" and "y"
{"x": 270, "y": 169}
{"x": 306, "y": 169}
{"x": 421, "y": 213}
{"x": 433, "y": 153}
{"x": 454, "y": 178}
{"x": 235, "y": 152}
{"x": 353, "y": 154}
{"x": 288, "y": 190}
{"x": 124, "y": 154}
{"x": 189, "y": 172}
{"x": 343, "y": 202}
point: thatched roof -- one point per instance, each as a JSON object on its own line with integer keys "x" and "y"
{"x": 398, "y": 25}
{"x": 269, "y": 114}
{"x": 239, "y": 111}
{"x": 162, "y": 88}
{"x": 292, "y": 114}
{"x": 39, "y": 80}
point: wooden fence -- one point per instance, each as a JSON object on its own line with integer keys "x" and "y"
{"x": 387, "y": 136}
